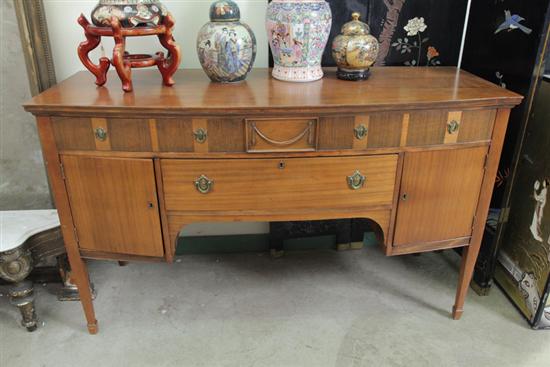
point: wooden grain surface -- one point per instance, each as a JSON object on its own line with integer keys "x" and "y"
{"x": 260, "y": 184}
{"x": 112, "y": 213}
{"x": 389, "y": 88}
{"x": 442, "y": 191}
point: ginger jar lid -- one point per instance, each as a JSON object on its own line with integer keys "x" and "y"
{"x": 224, "y": 11}
{"x": 355, "y": 27}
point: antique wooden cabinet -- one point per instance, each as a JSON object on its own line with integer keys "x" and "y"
{"x": 414, "y": 151}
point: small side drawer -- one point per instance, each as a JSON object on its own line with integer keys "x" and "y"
{"x": 279, "y": 184}
{"x": 281, "y": 135}
{"x": 116, "y": 134}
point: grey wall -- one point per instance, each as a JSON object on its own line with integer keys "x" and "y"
{"x": 23, "y": 183}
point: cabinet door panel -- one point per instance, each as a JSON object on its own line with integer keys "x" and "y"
{"x": 439, "y": 195}
{"x": 114, "y": 204}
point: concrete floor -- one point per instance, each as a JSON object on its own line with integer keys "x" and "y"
{"x": 305, "y": 309}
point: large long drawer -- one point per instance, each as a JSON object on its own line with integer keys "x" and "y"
{"x": 279, "y": 184}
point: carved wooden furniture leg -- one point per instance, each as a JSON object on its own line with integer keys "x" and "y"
{"x": 122, "y": 67}
{"x": 22, "y": 296}
{"x": 80, "y": 272}
{"x": 69, "y": 291}
{"x": 15, "y": 266}
{"x": 168, "y": 66}
{"x": 469, "y": 254}
{"x": 92, "y": 41}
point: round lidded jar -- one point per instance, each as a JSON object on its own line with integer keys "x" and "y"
{"x": 130, "y": 13}
{"x": 354, "y": 50}
{"x": 226, "y": 47}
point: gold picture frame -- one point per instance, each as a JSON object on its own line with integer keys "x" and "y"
{"x": 35, "y": 42}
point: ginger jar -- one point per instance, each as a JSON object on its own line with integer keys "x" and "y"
{"x": 355, "y": 50}
{"x": 298, "y": 32}
{"x": 226, "y": 47}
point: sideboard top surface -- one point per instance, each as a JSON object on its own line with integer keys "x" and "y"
{"x": 389, "y": 88}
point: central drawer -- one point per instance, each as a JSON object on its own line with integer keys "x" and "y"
{"x": 279, "y": 184}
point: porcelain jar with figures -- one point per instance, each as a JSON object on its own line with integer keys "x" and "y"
{"x": 130, "y": 13}
{"x": 355, "y": 50}
{"x": 226, "y": 47}
{"x": 298, "y": 32}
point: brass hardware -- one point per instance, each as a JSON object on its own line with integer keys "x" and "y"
{"x": 452, "y": 126}
{"x": 309, "y": 130}
{"x": 200, "y": 135}
{"x": 282, "y": 164}
{"x": 356, "y": 181}
{"x": 150, "y": 205}
{"x": 204, "y": 184}
{"x": 404, "y": 197}
{"x": 360, "y": 132}
{"x": 100, "y": 134}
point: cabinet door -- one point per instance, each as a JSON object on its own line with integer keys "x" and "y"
{"x": 114, "y": 204}
{"x": 439, "y": 195}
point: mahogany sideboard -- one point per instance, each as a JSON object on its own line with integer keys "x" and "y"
{"x": 414, "y": 150}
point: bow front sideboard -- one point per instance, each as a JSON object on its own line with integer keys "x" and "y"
{"x": 414, "y": 150}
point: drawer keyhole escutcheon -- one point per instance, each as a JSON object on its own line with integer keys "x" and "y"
{"x": 100, "y": 134}
{"x": 360, "y": 132}
{"x": 452, "y": 126}
{"x": 204, "y": 184}
{"x": 150, "y": 205}
{"x": 200, "y": 135}
{"x": 404, "y": 197}
{"x": 356, "y": 181}
{"x": 282, "y": 165}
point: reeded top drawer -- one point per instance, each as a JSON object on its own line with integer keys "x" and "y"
{"x": 279, "y": 184}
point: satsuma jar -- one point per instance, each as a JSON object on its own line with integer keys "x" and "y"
{"x": 298, "y": 32}
{"x": 226, "y": 47}
{"x": 355, "y": 50}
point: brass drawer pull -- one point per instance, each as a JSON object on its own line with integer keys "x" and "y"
{"x": 204, "y": 184}
{"x": 200, "y": 135}
{"x": 308, "y": 130}
{"x": 100, "y": 134}
{"x": 356, "y": 181}
{"x": 360, "y": 132}
{"x": 452, "y": 126}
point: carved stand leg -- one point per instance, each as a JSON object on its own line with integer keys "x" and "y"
{"x": 92, "y": 41}
{"x": 168, "y": 66}
{"x": 22, "y": 296}
{"x": 16, "y": 265}
{"x": 122, "y": 67}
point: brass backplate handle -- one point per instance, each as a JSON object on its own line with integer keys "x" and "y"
{"x": 100, "y": 133}
{"x": 200, "y": 135}
{"x": 452, "y": 126}
{"x": 360, "y": 132}
{"x": 204, "y": 184}
{"x": 356, "y": 181}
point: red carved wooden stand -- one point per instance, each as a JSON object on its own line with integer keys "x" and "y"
{"x": 122, "y": 60}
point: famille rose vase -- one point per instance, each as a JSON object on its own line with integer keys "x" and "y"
{"x": 130, "y": 13}
{"x": 298, "y": 32}
{"x": 226, "y": 47}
